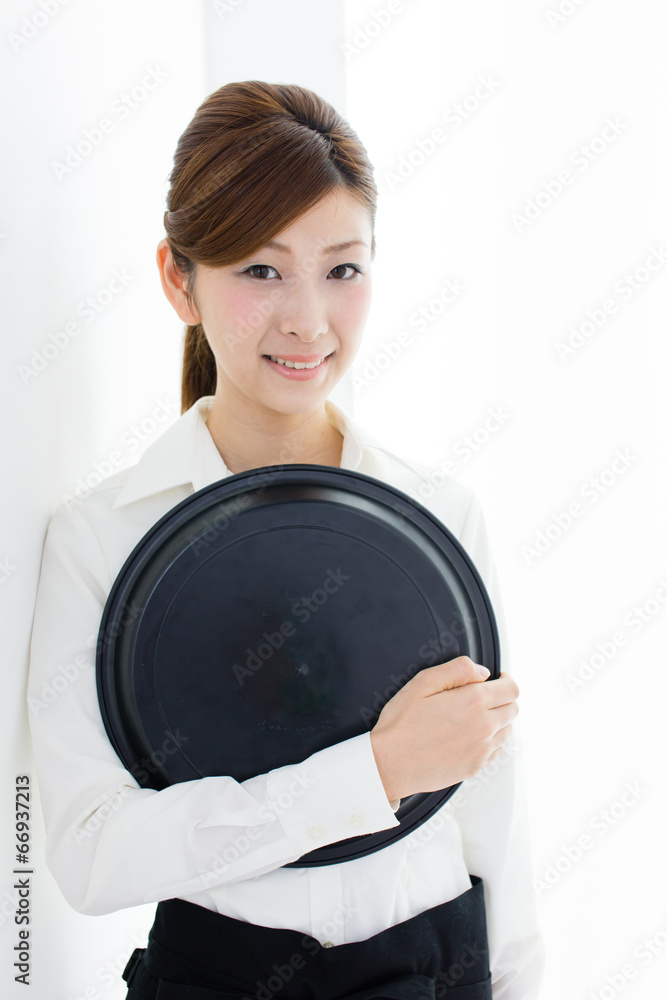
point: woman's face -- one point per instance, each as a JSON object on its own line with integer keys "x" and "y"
{"x": 302, "y": 300}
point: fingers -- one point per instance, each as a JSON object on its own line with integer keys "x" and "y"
{"x": 504, "y": 674}
{"x": 502, "y": 717}
{"x": 507, "y": 731}
{"x": 502, "y": 691}
{"x": 455, "y": 673}
{"x": 461, "y": 671}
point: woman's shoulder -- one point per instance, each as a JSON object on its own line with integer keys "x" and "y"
{"x": 89, "y": 524}
{"x": 434, "y": 487}
{"x": 140, "y": 492}
{"x": 93, "y": 491}
{"x": 445, "y": 496}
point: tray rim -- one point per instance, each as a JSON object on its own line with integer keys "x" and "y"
{"x": 297, "y": 474}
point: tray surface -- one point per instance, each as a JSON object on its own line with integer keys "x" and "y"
{"x": 273, "y": 614}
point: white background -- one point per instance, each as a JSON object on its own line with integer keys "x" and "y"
{"x": 591, "y": 589}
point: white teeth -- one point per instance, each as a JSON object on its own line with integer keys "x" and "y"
{"x": 297, "y": 364}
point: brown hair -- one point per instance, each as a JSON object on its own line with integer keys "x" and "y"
{"x": 253, "y": 159}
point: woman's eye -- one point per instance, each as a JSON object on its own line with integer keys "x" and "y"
{"x": 341, "y": 267}
{"x": 259, "y": 267}
{"x": 263, "y": 268}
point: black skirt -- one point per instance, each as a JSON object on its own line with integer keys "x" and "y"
{"x": 194, "y": 953}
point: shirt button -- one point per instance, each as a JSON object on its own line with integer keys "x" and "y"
{"x": 356, "y": 822}
{"x": 327, "y": 944}
{"x": 316, "y": 832}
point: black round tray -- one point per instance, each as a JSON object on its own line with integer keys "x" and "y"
{"x": 273, "y": 614}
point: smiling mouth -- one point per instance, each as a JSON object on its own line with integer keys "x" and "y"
{"x": 299, "y": 365}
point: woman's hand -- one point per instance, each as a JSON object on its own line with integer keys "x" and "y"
{"x": 443, "y": 726}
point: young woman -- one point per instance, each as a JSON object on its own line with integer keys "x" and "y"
{"x": 267, "y": 260}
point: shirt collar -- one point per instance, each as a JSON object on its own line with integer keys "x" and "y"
{"x": 186, "y": 454}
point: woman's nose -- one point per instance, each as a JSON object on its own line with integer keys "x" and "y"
{"x": 303, "y": 312}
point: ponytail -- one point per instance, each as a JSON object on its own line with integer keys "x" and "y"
{"x": 199, "y": 372}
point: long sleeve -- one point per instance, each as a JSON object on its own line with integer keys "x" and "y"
{"x": 491, "y": 812}
{"x": 112, "y": 844}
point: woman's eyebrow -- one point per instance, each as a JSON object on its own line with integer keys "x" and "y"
{"x": 333, "y": 248}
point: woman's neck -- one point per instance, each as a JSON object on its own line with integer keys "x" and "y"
{"x": 252, "y": 442}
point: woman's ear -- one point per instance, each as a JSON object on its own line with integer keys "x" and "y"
{"x": 173, "y": 285}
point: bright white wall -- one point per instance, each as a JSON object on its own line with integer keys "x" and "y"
{"x": 562, "y": 421}
{"x": 85, "y": 386}
{"x": 107, "y": 391}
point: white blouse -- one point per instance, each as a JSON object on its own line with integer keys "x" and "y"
{"x": 221, "y": 843}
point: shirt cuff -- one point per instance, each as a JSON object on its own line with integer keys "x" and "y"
{"x": 334, "y": 794}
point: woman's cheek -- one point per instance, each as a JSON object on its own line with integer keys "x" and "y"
{"x": 245, "y": 313}
{"x": 353, "y": 311}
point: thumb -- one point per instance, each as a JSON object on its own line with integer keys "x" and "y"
{"x": 455, "y": 673}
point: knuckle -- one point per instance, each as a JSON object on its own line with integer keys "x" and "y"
{"x": 477, "y": 696}
{"x": 488, "y": 730}
{"x": 502, "y": 735}
{"x": 421, "y": 680}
